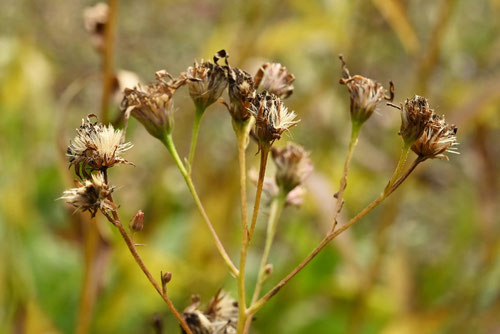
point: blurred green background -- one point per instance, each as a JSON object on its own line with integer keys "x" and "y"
{"x": 426, "y": 261}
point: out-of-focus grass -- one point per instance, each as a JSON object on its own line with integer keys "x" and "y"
{"x": 425, "y": 262}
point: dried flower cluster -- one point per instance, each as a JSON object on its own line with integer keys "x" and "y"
{"x": 96, "y": 147}
{"x": 293, "y": 166}
{"x": 438, "y": 137}
{"x": 415, "y": 115}
{"x": 274, "y": 78}
{"x": 220, "y": 317}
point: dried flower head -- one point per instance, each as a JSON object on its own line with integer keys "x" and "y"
{"x": 96, "y": 147}
{"x": 241, "y": 93}
{"x": 90, "y": 196}
{"x": 293, "y": 166}
{"x": 365, "y": 94}
{"x": 207, "y": 81}
{"x": 220, "y": 317}
{"x": 415, "y": 115}
{"x": 152, "y": 105}
{"x": 137, "y": 222}
{"x": 293, "y": 198}
{"x": 274, "y": 78}
{"x": 272, "y": 117}
{"x": 438, "y": 137}
{"x": 95, "y": 19}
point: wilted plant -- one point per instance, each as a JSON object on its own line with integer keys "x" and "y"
{"x": 257, "y": 111}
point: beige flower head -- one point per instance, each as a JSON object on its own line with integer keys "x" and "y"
{"x": 438, "y": 137}
{"x": 90, "y": 196}
{"x": 415, "y": 115}
{"x": 274, "y": 78}
{"x": 365, "y": 94}
{"x": 207, "y": 81}
{"x": 293, "y": 166}
{"x": 220, "y": 317}
{"x": 152, "y": 105}
{"x": 95, "y": 19}
{"x": 241, "y": 93}
{"x": 272, "y": 118}
{"x": 96, "y": 147}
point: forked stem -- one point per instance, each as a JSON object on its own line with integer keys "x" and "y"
{"x": 169, "y": 144}
{"x": 198, "y": 115}
{"x": 402, "y": 160}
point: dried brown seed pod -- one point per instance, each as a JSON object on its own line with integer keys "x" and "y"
{"x": 274, "y": 78}
{"x": 438, "y": 137}
{"x": 293, "y": 166}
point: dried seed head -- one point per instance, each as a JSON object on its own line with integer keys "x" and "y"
{"x": 294, "y": 198}
{"x": 274, "y": 78}
{"x": 364, "y": 92}
{"x": 206, "y": 81}
{"x": 152, "y": 105}
{"x": 95, "y": 19}
{"x": 438, "y": 137}
{"x": 293, "y": 166}
{"x": 415, "y": 115}
{"x": 90, "y": 196}
{"x": 272, "y": 118}
{"x": 96, "y": 147}
{"x": 241, "y": 93}
{"x": 137, "y": 222}
{"x": 220, "y": 317}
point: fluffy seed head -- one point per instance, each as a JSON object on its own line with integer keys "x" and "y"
{"x": 241, "y": 93}
{"x": 415, "y": 115}
{"x": 96, "y": 147}
{"x": 152, "y": 105}
{"x": 90, "y": 196}
{"x": 272, "y": 117}
{"x": 274, "y": 78}
{"x": 364, "y": 93}
{"x": 293, "y": 166}
{"x": 206, "y": 81}
{"x": 438, "y": 137}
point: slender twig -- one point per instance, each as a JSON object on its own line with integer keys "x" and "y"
{"x": 115, "y": 220}
{"x": 329, "y": 237}
{"x": 108, "y": 60}
{"x": 194, "y": 137}
{"x": 343, "y": 181}
{"x": 169, "y": 144}
{"x": 402, "y": 160}
{"x": 264, "y": 153}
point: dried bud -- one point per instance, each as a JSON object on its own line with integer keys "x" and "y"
{"x": 96, "y": 147}
{"x": 241, "y": 93}
{"x": 137, "y": 222}
{"x": 438, "y": 137}
{"x": 365, "y": 94}
{"x": 294, "y": 198}
{"x": 165, "y": 279}
{"x": 152, "y": 105}
{"x": 95, "y": 19}
{"x": 274, "y": 78}
{"x": 415, "y": 115}
{"x": 206, "y": 81}
{"x": 293, "y": 166}
{"x": 90, "y": 196}
{"x": 221, "y": 315}
{"x": 268, "y": 269}
{"x": 272, "y": 118}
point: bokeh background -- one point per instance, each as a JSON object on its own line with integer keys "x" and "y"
{"x": 426, "y": 261}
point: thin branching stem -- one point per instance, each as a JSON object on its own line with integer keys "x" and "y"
{"x": 198, "y": 115}
{"x": 264, "y": 153}
{"x": 329, "y": 237}
{"x": 343, "y": 181}
{"x": 402, "y": 160}
{"x": 169, "y": 144}
{"x": 115, "y": 220}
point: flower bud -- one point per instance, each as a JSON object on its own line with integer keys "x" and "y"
{"x": 165, "y": 279}
{"x": 274, "y": 78}
{"x": 293, "y": 166}
{"x": 137, "y": 222}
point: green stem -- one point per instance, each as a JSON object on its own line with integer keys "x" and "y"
{"x": 198, "y": 115}
{"x": 277, "y": 205}
{"x": 264, "y": 153}
{"x": 356, "y": 127}
{"x": 169, "y": 143}
{"x": 402, "y": 160}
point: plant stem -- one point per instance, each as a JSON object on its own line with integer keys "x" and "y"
{"x": 402, "y": 160}
{"x": 264, "y": 153}
{"x": 277, "y": 206}
{"x": 115, "y": 220}
{"x": 329, "y": 237}
{"x": 169, "y": 144}
{"x": 108, "y": 60}
{"x": 343, "y": 181}
{"x": 194, "y": 138}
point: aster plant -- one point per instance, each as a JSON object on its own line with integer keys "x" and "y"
{"x": 257, "y": 110}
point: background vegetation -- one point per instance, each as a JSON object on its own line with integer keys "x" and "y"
{"x": 427, "y": 261}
